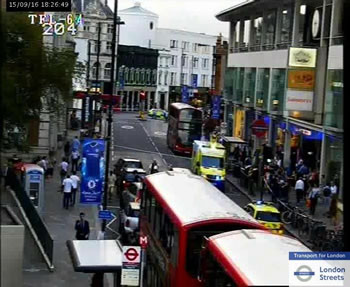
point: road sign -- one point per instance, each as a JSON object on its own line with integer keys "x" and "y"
{"x": 131, "y": 266}
{"x": 143, "y": 241}
{"x": 105, "y": 214}
{"x": 259, "y": 128}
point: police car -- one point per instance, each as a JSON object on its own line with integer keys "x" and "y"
{"x": 267, "y": 214}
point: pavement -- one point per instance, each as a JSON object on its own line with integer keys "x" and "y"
{"x": 60, "y": 223}
{"x": 320, "y": 212}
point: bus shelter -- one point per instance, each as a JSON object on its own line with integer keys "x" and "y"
{"x": 230, "y": 143}
{"x": 97, "y": 256}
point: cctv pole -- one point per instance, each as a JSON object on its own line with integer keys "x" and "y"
{"x": 110, "y": 118}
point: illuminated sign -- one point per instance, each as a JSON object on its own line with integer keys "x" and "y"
{"x": 301, "y": 79}
{"x": 299, "y": 100}
{"x": 302, "y": 57}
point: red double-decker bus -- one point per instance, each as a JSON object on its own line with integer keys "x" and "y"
{"x": 247, "y": 258}
{"x": 185, "y": 126}
{"x": 179, "y": 210}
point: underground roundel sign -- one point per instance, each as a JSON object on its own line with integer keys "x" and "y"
{"x": 131, "y": 254}
{"x": 259, "y": 128}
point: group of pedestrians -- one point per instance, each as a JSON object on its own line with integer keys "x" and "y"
{"x": 70, "y": 182}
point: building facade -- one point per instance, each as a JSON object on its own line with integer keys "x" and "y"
{"x": 285, "y": 67}
{"x": 195, "y": 49}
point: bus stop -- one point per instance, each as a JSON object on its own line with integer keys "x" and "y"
{"x": 98, "y": 257}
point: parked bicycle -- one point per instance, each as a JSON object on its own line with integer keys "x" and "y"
{"x": 292, "y": 216}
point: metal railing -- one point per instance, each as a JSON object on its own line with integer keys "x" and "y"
{"x": 35, "y": 220}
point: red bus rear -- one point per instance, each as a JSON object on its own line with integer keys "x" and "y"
{"x": 178, "y": 211}
{"x": 185, "y": 126}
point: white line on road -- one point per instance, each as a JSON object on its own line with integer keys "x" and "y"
{"x": 149, "y": 137}
{"x": 153, "y": 152}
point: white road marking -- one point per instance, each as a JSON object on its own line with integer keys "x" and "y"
{"x": 160, "y": 133}
{"x": 127, "y": 127}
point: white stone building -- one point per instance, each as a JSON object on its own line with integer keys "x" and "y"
{"x": 141, "y": 29}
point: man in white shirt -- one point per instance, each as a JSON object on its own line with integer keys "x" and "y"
{"x": 75, "y": 159}
{"x": 299, "y": 189}
{"x": 334, "y": 189}
{"x": 64, "y": 168}
{"x": 67, "y": 191}
{"x": 75, "y": 183}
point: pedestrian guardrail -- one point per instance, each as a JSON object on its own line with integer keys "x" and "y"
{"x": 35, "y": 220}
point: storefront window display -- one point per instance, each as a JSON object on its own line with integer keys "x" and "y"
{"x": 333, "y": 110}
{"x": 239, "y": 123}
{"x": 262, "y": 89}
{"x": 238, "y": 85}
{"x": 229, "y": 75}
{"x": 278, "y": 90}
{"x": 249, "y": 86}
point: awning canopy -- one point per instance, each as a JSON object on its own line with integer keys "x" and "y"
{"x": 91, "y": 256}
{"x": 234, "y": 140}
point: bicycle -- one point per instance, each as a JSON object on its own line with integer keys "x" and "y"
{"x": 290, "y": 216}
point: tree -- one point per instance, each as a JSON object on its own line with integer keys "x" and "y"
{"x": 33, "y": 75}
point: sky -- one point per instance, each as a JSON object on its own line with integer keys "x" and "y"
{"x": 190, "y": 15}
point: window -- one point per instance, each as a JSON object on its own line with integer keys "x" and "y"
{"x": 148, "y": 77}
{"x": 94, "y": 70}
{"x": 262, "y": 89}
{"x": 107, "y": 70}
{"x": 183, "y": 79}
{"x": 173, "y": 60}
{"x": 87, "y": 26}
{"x": 249, "y": 85}
{"x": 185, "y": 46}
{"x": 166, "y": 78}
{"x": 173, "y": 43}
{"x": 160, "y": 78}
{"x": 194, "y": 80}
{"x": 151, "y": 25}
{"x": 142, "y": 76}
{"x": 173, "y": 79}
{"x": 205, "y": 63}
{"x": 195, "y": 47}
{"x": 334, "y": 101}
{"x": 126, "y": 75}
{"x": 132, "y": 75}
{"x": 278, "y": 87}
{"x": 95, "y": 46}
{"x": 184, "y": 61}
{"x": 246, "y": 32}
{"x": 109, "y": 47}
{"x": 237, "y": 33}
{"x": 195, "y": 62}
{"x": 270, "y": 29}
{"x": 204, "y": 80}
{"x": 154, "y": 77}
{"x": 256, "y": 32}
{"x": 238, "y": 79}
{"x": 212, "y": 162}
{"x": 137, "y": 76}
{"x": 287, "y": 25}
{"x": 206, "y": 49}
{"x": 110, "y": 28}
{"x": 302, "y": 16}
{"x": 268, "y": 216}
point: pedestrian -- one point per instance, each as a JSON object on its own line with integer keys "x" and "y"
{"x": 67, "y": 191}
{"x": 333, "y": 210}
{"x": 50, "y": 167}
{"x": 64, "y": 169}
{"x": 313, "y": 196}
{"x": 75, "y": 183}
{"x": 82, "y": 228}
{"x": 75, "y": 144}
{"x": 111, "y": 184}
{"x": 299, "y": 189}
{"x": 75, "y": 159}
{"x": 326, "y": 190}
{"x": 66, "y": 149}
{"x": 334, "y": 189}
{"x": 153, "y": 167}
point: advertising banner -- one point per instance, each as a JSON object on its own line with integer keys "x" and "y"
{"x": 302, "y": 57}
{"x": 319, "y": 269}
{"x": 185, "y": 96}
{"x": 92, "y": 171}
{"x": 299, "y": 100}
{"x": 301, "y": 79}
{"x": 216, "y": 102}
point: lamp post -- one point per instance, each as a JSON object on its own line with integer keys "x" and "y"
{"x": 110, "y": 118}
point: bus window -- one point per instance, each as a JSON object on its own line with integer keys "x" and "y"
{"x": 194, "y": 244}
{"x": 189, "y": 114}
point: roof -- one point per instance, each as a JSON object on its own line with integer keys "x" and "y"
{"x": 180, "y": 192}
{"x": 137, "y": 9}
{"x": 264, "y": 207}
{"x": 32, "y": 166}
{"x": 260, "y": 256}
{"x": 210, "y": 151}
{"x": 222, "y": 16}
{"x": 182, "y": 106}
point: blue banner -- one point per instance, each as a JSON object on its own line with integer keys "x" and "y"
{"x": 216, "y": 103}
{"x": 194, "y": 81}
{"x": 92, "y": 171}
{"x": 185, "y": 96}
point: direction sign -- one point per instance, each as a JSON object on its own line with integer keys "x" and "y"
{"x": 105, "y": 214}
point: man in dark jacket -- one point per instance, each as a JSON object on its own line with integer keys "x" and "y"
{"x": 82, "y": 228}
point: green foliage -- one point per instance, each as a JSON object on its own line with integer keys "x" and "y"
{"x": 32, "y": 73}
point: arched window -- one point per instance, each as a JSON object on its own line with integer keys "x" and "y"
{"x": 126, "y": 75}
{"x": 151, "y": 25}
{"x": 120, "y": 73}
{"x": 137, "y": 76}
{"x": 142, "y": 77}
{"x": 148, "y": 77}
{"x": 94, "y": 70}
{"x": 160, "y": 77}
{"x": 107, "y": 71}
{"x": 132, "y": 75}
{"x": 154, "y": 77}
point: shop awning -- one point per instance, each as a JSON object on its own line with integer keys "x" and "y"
{"x": 91, "y": 256}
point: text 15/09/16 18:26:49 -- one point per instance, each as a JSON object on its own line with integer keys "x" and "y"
{"x": 38, "y": 6}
